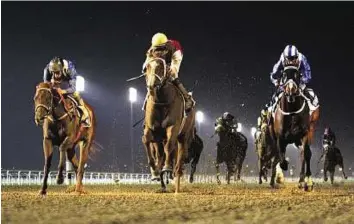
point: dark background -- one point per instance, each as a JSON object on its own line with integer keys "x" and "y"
{"x": 229, "y": 47}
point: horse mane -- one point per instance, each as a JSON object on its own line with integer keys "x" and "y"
{"x": 44, "y": 85}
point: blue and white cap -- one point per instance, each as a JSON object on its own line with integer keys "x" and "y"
{"x": 290, "y": 51}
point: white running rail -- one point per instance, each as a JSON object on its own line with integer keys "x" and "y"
{"x": 33, "y": 177}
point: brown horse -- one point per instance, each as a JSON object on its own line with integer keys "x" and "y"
{"x": 61, "y": 127}
{"x": 293, "y": 123}
{"x": 164, "y": 116}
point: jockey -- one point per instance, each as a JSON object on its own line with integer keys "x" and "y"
{"x": 171, "y": 52}
{"x": 262, "y": 121}
{"x": 62, "y": 72}
{"x": 226, "y": 121}
{"x": 329, "y": 138}
{"x": 292, "y": 57}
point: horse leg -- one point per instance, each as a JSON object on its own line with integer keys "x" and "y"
{"x": 265, "y": 173}
{"x": 73, "y": 158}
{"x": 193, "y": 169}
{"x": 171, "y": 133}
{"x": 182, "y": 148}
{"x": 325, "y": 169}
{"x": 75, "y": 162}
{"x": 260, "y": 173}
{"x": 239, "y": 168}
{"x": 331, "y": 175}
{"x": 158, "y": 157}
{"x": 60, "y": 176}
{"x": 302, "y": 169}
{"x": 282, "y": 147}
{"x": 260, "y": 167}
{"x": 48, "y": 154}
{"x": 148, "y": 145}
{"x": 274, "y": 163}
{"x": 67, "y": 144}
{"x": 217, "y": 167}
{"x": 308, "y": 155}
{"x": 194, "y": 163}
{"x": 341, "y": 165}
{"x": 228, "y": 173}
{"x": 84, "y": 150}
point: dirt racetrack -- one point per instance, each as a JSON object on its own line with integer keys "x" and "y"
{"x": 199, "y": 203}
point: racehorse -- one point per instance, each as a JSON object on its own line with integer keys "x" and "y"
{"x": 231, "y": 149}
{"x": 333, "y": 157}
{"x": 164, "y": 116}
{"x": 266, "y": 151}
{"x": 60, "y": 121}
{"x": 293, "y": 123}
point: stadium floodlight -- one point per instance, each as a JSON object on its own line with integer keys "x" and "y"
{"x": 80, "y": 84}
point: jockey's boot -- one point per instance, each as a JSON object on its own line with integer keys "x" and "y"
{"x": 187, "y": 97}
{"x": 85, "y": 117}
{"x": 311, "y": 98}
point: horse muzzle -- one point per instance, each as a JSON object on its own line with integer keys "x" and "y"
{"x": 40, "y": 114}
{"x": 39, "y": 121}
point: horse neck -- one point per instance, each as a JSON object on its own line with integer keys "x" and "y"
{"x": 166, "y": 94}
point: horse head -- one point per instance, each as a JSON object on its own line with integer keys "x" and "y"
{"x": 49, "y": 103}
{"x": 156, "y": 74}
{"x": 43, "y": 101}
{"x": 291, "y": 81}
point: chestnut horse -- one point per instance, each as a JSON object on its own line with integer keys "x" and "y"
{"x": 60, "y": 121}
{"x": 164, "y": 119}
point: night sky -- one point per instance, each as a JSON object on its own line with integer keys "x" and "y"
{"x": 229, "y": 47}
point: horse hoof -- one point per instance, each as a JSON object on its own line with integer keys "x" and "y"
{"x": 345, "y": 177}
{"x": 162, "y": 190}
{"x": 325, "y": 179}
{"x": 80, "y": 192}
{"x": 308, "y": 188}
{"x": 301, "y": 185}
{"x": 190, "y": 180}
{"x": 42, "y": 193}
{"x": 273, "y": 186}
{"x": 60, "y": 180}
{"x": 218, "y": 181}
{"x": 70, "y": 189}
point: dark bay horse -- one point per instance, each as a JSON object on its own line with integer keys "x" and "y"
{"x": 61, "y": 127}
{"x": 164, "y": 116}
{"x": 332, "y": 158}
{"x": 231, "y": 149}
{"x": 293, "y": 123}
